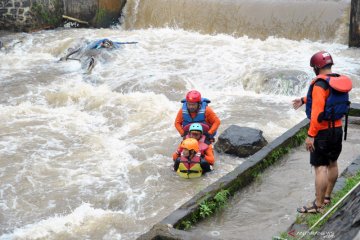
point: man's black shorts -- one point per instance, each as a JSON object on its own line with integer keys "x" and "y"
{"x": 328, "y": 145}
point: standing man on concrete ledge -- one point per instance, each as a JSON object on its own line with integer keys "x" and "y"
{"x": 327, "y": 102}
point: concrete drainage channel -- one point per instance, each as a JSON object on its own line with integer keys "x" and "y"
{"x": 172, "y": 227}
{"x": 270, "y": 202}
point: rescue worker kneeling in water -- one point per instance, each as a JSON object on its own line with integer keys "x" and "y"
{"x": 195, "y": 109}
{"x": 203, "y": 146}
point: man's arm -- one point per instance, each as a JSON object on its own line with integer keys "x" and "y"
{"x": 298, "y": 102}
{"x": 178, "y": 123}
{"x": 177, "y": 153}
{"x": 212, "y": 119}
{"x": 209, "y": 155}
{"x": 317, "y": 107}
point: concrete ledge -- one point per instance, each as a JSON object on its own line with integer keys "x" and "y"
{"x": 165, "y": 232}
{"x": 241, "y": 176}
{"x": 355, "y": 110}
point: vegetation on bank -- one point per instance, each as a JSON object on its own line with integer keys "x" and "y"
{"x": 207, "y": 207}
{"x": 311, "y": 219}
{"x": 46, "y": 16}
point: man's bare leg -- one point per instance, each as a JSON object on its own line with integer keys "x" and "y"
{"x": 321, "y": 182}
{"x": 332, "y": 175}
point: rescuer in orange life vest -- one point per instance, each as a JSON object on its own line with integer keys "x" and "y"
{"x": 195, "y": 109}
{"x": 327, "y": 102}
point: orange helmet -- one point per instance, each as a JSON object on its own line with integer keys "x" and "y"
{"x": 190, "y": 144}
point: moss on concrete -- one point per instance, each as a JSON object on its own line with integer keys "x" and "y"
{"x": 269, "y": 160}
{"x": 100, "y": 16}
{"x": 354, "y": 112}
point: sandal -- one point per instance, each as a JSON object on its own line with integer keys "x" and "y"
{"x": 312, "y": 209}
{"x": 327, "y": 201}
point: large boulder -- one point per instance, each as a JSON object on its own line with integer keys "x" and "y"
{"x": 240, "y": 141}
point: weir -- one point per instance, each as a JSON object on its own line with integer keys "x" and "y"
{"x": 297, "y": 20}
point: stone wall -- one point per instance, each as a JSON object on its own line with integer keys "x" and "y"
{"x": 14, "y": 13}
{"x": 27, "y": 15}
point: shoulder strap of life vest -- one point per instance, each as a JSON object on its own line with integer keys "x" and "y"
{"x": 200, "y": 116}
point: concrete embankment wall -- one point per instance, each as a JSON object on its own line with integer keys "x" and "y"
{"x": 28, "y": 15}
{"x": 171, "y": 227}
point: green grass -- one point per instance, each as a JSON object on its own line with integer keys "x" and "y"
{"x": 311, "y": 219}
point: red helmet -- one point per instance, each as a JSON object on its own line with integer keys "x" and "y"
{"x": 321, "y": 59}
{"x": 193, "y": 96}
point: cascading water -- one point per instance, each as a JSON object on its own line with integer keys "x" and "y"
{"x": 292, "y": 19}
{"x": 88, "y": 156}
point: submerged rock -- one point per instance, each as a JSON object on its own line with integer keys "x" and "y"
{"x": 240, "y": 141}
{"x": 276, "y": 81}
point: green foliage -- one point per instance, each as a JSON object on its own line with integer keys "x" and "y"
{"x": 186, "y": 224}
{"x": 354, "y": 112}
{"x": 45, "y": 15}
{"x": 221, "y": 198}
{"x": 279, "y": 152}
{"x": 299, "y": 138}
{"x": 276, "y": 154}
{"x": 284, "y": 236}
{"x": 206, "y": 208}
